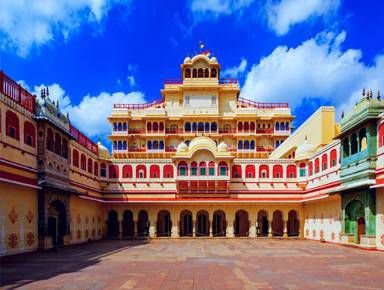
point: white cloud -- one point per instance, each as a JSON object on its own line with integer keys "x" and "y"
{"x": 281, "y": 16}
{"x": 131, "y": 80}
{"x": 235, "y": 71}
{"x": 25, "y": 24}
{"x": 217, "y": 7}
{"x": 318, "y": 68}
{"x": 90, "y": 115}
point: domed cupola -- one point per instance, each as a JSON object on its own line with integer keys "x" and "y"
{"x": 222, "y": 147}
{"x": 182, "y": 147}
{"x": 103, "y": 151}
{"x": 305, "y": 150}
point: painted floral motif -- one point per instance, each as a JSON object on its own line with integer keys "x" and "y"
{"x": 30, "y": 239}
{"x": 12, "y": 240}
{"x": 78, "y": 234}
{"x": 78, "y": 219}
{"x": 13, "y": 216}
{"x": 29, "y": 216}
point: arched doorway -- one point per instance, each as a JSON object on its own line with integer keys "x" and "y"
{"x": 202, "y": 224}
{"x": 241, "y": 223}
{"x": 143, "y": 224}
{"x": 186, "y": 224}
{"x": 355, "y": 219}
{"x": 57, "y": 222}
{"x": 292, "y": 224}
{"x": 164, "y": 224}
{"x": 128, "y": 224}
{"x": 113, "y": 224}
{"x": 219, "y": 224}
{"x": 277, "y": 224}
{"x": 262, "y": 224}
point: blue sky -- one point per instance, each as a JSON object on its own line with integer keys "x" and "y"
{"x": 92, "y": 53}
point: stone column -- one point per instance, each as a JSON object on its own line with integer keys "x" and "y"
{"x": 175, "y": 229}
{"x": 252, "y": 229}
{"x": 152, "y": 226}
{"x": 193, "y": 229}
{"x": 270, "y": 229}
{"x": 120, "y": 222}
{"x": 135, "y": 228}
{"x": 285, "y": 231}
{"x": 229, "y": 232}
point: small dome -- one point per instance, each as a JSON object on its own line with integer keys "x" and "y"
{"x": 103, "y": 151}
{"x": 222, "y": 147}
{"x": 182, "y": 147}
{"x": 213, "y": 59}
{"x": 187, "y": 59}
{"x": 305, "y": 150}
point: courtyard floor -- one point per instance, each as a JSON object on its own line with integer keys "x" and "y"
{"x": 196, "y": 264}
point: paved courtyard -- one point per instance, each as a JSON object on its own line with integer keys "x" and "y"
{"x": 197, "y": 264}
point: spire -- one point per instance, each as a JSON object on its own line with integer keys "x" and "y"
{"x": 378, "y": 95}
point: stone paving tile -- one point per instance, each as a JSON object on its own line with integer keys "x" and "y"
{"x": 217, "y": 264}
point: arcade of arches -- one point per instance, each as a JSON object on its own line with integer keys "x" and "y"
{"x": 193, "y": 221}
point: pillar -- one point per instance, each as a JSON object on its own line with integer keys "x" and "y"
{"x": 229, "y": 231}
{"x": 175, "y": 229}
{"x": 285, "y": 231}
{"x": 269, "y": 229}
{"x": 152, "y": 226}
{"x": 193, "y": 229}
{"x": 135, "y": 228}
{"x": 252, "y": 229}
{"x": 120, "y": 222}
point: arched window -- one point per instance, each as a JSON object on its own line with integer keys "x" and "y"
{"x": 317, "y": 165}
{"x": 161, "y": 145}
{"x": 213, "y": 127}
{"x": 149, "y": 145}
{"x": 49, "y": 139}
{"x": 211, "y": 168}
{"x": 303, "y": 171}
{"x": 103, "y": 170}
{"x": 119, "y": 127}
{"x": 324, "y": 161}
{"x": 223, "y": 168}
{"x": 96, "y": 168}
{"x": 141, "y": 171}
{"x": 200, "y": 127}
{"x": 277, "y": 126}
{"x": 206, "y": 127}
{"x": 246, "y": 145}
{"x": 354, "y": 143}
{"x": 127, "y": 171}
{"x": 252, "y": 145}
{"x": 252, "y": 126}
{"x": 168, "y": 171}
{"x": 250, "y": 171}
{"x": 29, "y": 134}
{"x": 213, "y": 73}
{"x": 124, "y": 145}
{"x": 286, "y": 126}
{"x": 277, "y": 171}
{"x": 194, "y": 73}
{"x": 154, "y": 171}
{"x": 193, "y": 168}
{"x": 282, "y": 126}
{"x": 187, "y": 127}
{"x": 187, "y": 73}
{"x": 75, "y": 158}
{"x": 83, "y": 162}
{"x": 206, "y": 73}
{"x": 149, "y": 127}
{"x": 310, "y": 168}
{"x": 114, "y": 145}
{"x": 155, "y": 127}
{"x": 263, "y": 171}
{"x": 240, "y": 126}
{"x": 200, "y": 73}
{"x": 64, "y": 149}
{"x": 120, "y": 145}
{"x": 333, "y": 158}
{"x": 202, "y": 168}
{"x": 124, "y": 126}
{"x": 363, "y": 139}
{"x": 113, "y": 171}
{"x": 194, "y": 127}
{"x": 240, "y": 145}
{"x": 12, "y": 125}
{"x": 114, "y": 126}
{"x": 246, "y": 127}
{"x": 57, "y": 144}
{"x": 236, "y": 171}
{"x": 291, "y": 171}
{"x": 182, "y": 169}
{"x": 161, "y": 126}
{"x": 90, "y": 165}
{"x": 155, "y": 145}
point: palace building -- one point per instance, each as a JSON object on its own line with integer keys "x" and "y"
{"x": 200, "y": 162}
